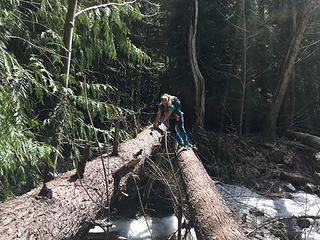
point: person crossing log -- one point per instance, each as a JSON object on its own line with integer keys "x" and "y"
{"x": 169, "y": 110}
{"x": 75, "y": 205}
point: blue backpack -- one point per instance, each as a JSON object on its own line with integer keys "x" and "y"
{"x": 176, "y": 102}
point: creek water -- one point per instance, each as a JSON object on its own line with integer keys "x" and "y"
{"x": 256, "y": 212}
{"x": 137, "y": 229}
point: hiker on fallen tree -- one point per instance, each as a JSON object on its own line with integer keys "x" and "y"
{"x": 170, "y": 109}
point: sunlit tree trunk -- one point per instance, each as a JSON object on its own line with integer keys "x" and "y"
{"x": 76, "y": 205}
{"x": 67, "y": 38}
{"x": 66, "y": 58}
{"x": 271, "y": 121}
{"x": 211, "y": 217}
{"x": 197, "y": 75}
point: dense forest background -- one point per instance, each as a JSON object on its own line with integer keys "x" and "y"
{"x": 250, "y": 57}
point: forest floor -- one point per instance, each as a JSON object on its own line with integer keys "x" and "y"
{"x": 274, "y": 182}
{"x": 273, "y": 168}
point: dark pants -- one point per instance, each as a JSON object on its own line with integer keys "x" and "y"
{"x": 178, "y": 131}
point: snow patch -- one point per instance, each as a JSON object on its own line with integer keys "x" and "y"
{"x": 256, "y": 210}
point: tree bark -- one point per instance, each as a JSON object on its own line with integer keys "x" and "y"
{"x": 288, "y": 29}
{"x": 212, "y": 218}
{"x": 244, "y": 69}
{"x": 224, "y": 106}
{"x": 271, "y": 121}
{"x": 305, "y": 138}
{"x": 197, "y": 75}
{"x": 83, "y": 161}
{"x": 66, "y": 59}
{"x": 71, "y": 210}
{"x": 67, "y": 38}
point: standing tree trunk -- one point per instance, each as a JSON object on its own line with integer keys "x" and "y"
{"x": 271, "y": 121}
{"x": 293, "y": 75}
{"x": 244, "y": 80}
{"x": 288, "y": 27}
{"x": 211, "y": 217}
{"x": 224, "y": 106}
{"x": 197, "y": 76}
{"x": 66, "y": 55}
{"x": 67, "y": 38}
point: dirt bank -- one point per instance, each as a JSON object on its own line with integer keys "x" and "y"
{"x": 270, "y": 167}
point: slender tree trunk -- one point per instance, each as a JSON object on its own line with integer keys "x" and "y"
{"x": 289, "y": 103}
{"x": 271, "y": 121}
{"x": 67, "y": 38}
{"x": 66, "y": 54}
{"x": 224, "y": 106}
{"x": 293, "y": 75}
{"x": 116, "y": 138}
{"x": 211, "y": 217}
{"x": 197, "y": 75}
{"x": 244, "y": 80}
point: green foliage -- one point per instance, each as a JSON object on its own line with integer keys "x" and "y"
{"x": 104, "y": 33}
{"x": 21, "y": 155}
{"x": 37, "y": 113}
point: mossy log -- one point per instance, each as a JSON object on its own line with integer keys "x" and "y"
{"x": 211, "y": 217}
{"x": 74, "y": 205}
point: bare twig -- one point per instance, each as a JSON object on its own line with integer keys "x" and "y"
{"x": 276, "y": 219}
{"x": 179, "y": 203}
{"x": 142, "y": 208}
{"x": 103, "y": 6}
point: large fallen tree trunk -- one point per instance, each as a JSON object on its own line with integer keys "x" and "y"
{"x": 212, "y": 218}
{"x": 74, "y": 205}
{"x": 305, "y": 138}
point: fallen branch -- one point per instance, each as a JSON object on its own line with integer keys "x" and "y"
{"x": 305, "y": 138}
{"x": 279, "y": 219}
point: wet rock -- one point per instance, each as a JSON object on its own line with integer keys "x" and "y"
{"x": 304, "y": 223}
